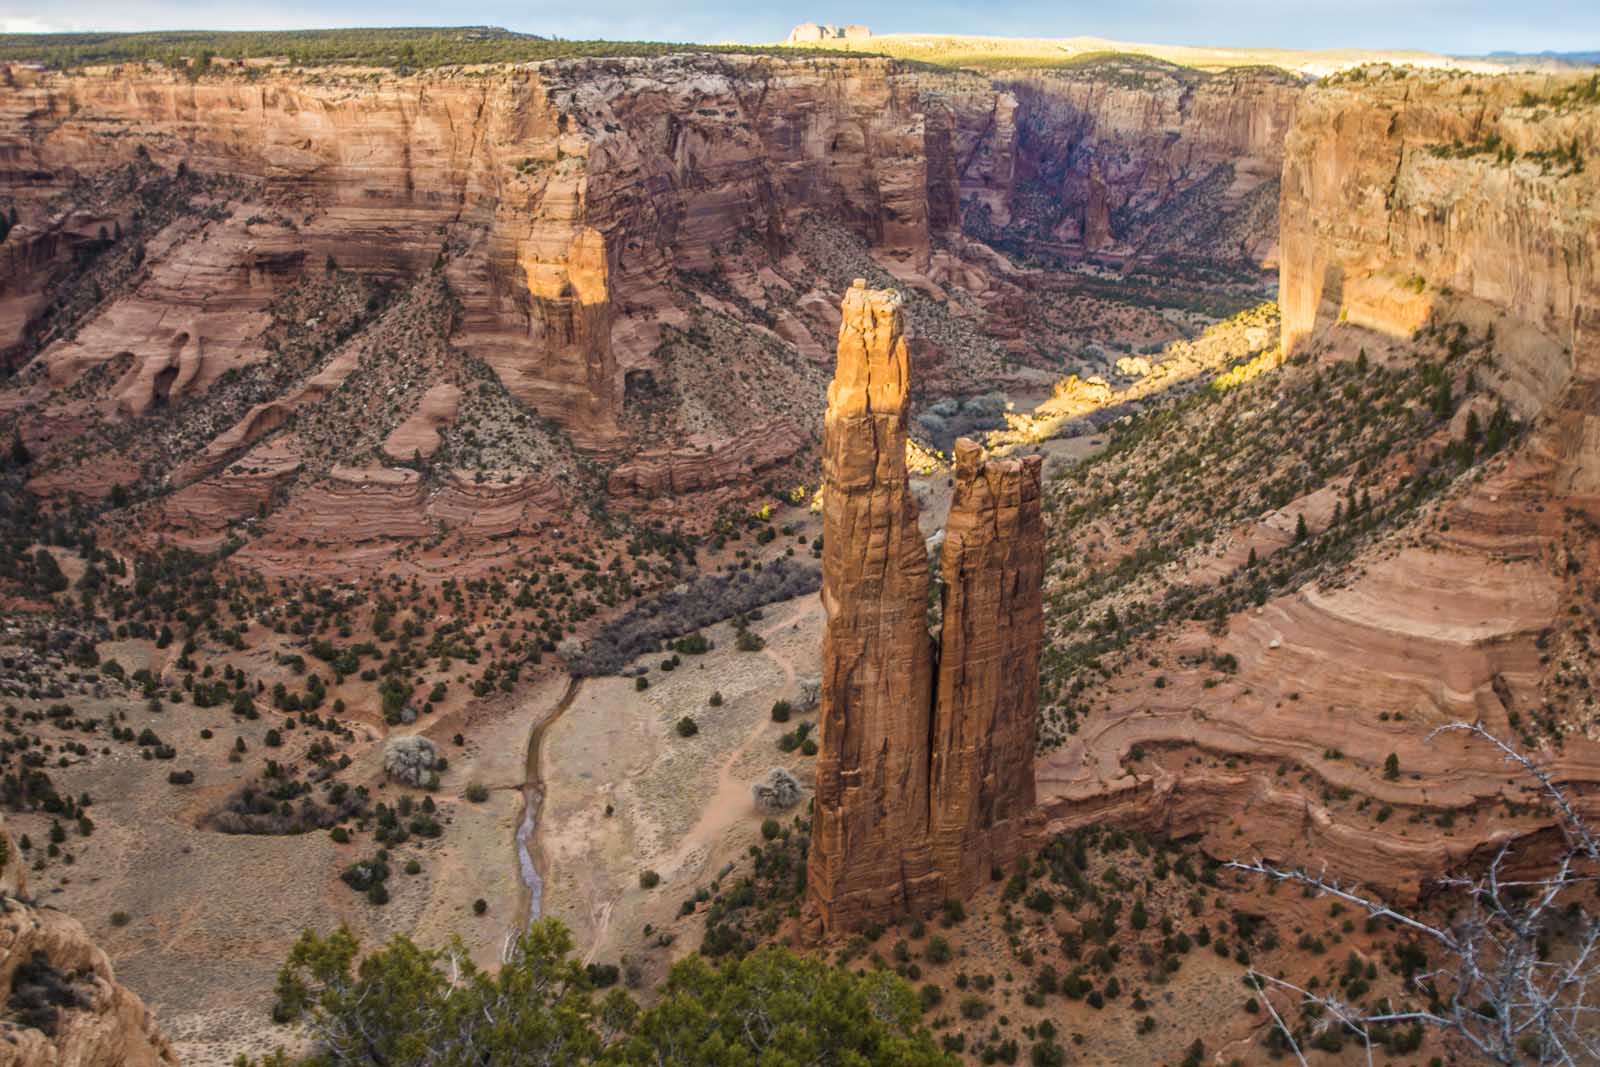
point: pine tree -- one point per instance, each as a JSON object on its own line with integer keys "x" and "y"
{"x": 1300, "y": 531}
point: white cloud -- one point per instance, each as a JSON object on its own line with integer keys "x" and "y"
{"x": 28, "y": 24}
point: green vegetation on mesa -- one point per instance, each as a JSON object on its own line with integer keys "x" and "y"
{"x": 405, "y": 1004}
{"x": 393, "y": 47}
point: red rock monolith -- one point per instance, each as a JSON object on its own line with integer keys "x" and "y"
{"x": 920, "y": 789}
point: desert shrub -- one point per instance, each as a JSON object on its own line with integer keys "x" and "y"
{"x": 284, "y": 806}
{"x": 39, "y": 990}
{"x": 706, "y": 600}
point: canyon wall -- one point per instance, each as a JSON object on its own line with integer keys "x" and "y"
{"x": 1409, "y": 196}
{"x": 570, "y": 202}
{"x": 1153, "y": 160}
{"x": 563, "y": 195}
{"x": 925, "y": 774}
{"x": 1450, "y": 226}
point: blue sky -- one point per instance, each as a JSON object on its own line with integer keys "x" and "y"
{"x": 1459, "y": 26}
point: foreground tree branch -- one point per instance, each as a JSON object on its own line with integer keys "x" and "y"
{"x": 1518, "y": 953}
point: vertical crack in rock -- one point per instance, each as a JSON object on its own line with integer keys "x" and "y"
{"x": 921, "y": 787}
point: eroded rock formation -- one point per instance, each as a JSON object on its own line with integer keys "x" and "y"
{"x": 64, "y": 1003}
{"x": 992, "y": 566}
{"x": 870, "y": 851}
{"x": 922, "y": 781}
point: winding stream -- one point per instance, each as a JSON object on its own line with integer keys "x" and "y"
{"x": 533, "y": 801}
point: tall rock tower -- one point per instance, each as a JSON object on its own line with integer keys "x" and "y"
{"x": 921, "y": 787}
{"x": 985, "y": 721}
{"x": 870, "y": 855}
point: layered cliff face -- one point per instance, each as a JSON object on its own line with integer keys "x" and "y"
{"x": 1364, "y": 544}
{"x": 1138, "y": 158}
{"x": 925, "y": 776}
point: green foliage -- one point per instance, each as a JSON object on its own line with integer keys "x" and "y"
{"x": 773, "y": 1008}
{"x": 777, "y": 1008}
{"x": 398, "y": 47}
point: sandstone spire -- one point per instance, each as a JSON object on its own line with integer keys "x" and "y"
{"x": 869, "y": 841}
{"x": 917, "y": 794}
{"x": 984, "y": 724}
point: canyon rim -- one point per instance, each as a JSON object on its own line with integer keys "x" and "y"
{"x": 938, "y": 522}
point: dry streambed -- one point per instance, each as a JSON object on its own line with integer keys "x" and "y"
{"x": 625, "y": 793}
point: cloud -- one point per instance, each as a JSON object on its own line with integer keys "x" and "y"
{"x": 29, "y": 24}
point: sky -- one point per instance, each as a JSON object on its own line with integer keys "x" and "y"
{"x": 1451, "y": 26}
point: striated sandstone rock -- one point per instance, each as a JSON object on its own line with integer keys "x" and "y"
{"x": 870, "y": 855}
{"x": 419, "y": 434}
{"x": 496, "y": 503}
{"x": 984, "y": 723}
{"x": 672, "y": 472}
{"x": 917, "y": 794}
{"x": 357, "y": 504}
